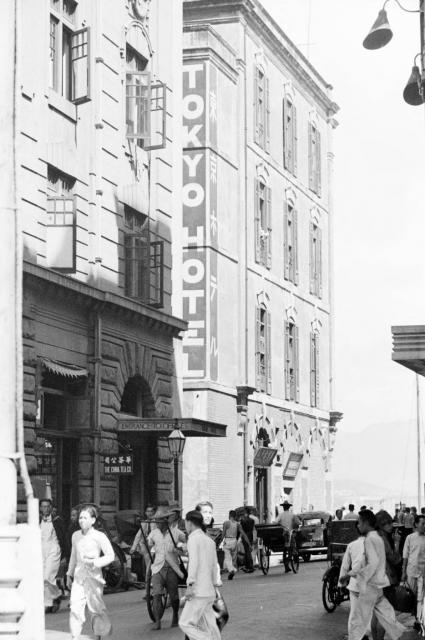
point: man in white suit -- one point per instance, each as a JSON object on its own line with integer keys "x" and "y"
{"x": 198, "y": 620}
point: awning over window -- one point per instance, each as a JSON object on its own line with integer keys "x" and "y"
{"x": 191, "y": 427}
{"x": 67, "y": 370}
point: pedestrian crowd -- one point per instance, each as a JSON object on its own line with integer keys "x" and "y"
{"x": 384, "y": 571}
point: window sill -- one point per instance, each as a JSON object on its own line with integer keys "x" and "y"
{"x": 62, "y": 105}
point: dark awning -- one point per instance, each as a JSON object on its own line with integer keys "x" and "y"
{"x": 67, "y": 370}
{"x": 191, "y": 427}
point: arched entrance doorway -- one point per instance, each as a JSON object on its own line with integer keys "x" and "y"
{"x": 139, "y": 488}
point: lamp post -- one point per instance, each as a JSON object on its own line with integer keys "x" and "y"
{"x": 381, "y": 33}
{"x": 176, "y": 443}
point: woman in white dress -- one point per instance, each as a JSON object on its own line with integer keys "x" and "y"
{"x": 84, "y": 576}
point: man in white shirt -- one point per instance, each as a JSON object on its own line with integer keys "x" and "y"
{"x": 414, "y": 562}
{"x": 371, "y": 579}
{"x": 198, "y": 620}
{"x": 54, "y": 551}
{"x": 351, "y": 515}
{"x": 166, "y": 569}
{"x": 289, "y": 522}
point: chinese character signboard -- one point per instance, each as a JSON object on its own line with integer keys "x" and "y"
{"x": 264, "y": 457}
{"x": 292, "y": 466}
{"x": 118, "y": 465}
{"x": 200, "y": 221}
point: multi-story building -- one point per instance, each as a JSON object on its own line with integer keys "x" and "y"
{"x": 99, "y": 186}
{"x": 257, "y": 261}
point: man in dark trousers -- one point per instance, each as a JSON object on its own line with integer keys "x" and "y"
{"x": 248, "y": 524}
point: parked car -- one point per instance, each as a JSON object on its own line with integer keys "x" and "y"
{"x": 312, "y": 537}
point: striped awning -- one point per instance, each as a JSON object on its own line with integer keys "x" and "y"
{"x": 67, "y": 370}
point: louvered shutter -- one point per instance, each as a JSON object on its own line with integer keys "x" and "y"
{"x": 285, "y": 241}
{"x": 295, "y": 244}
{"x": 267, "y": 115}
{"x": 256, "y": 106}
{"x": 257, "y": 221}
{"x": 287, "y": 364}
{"x": 312, "y": 260}
{"x": 317, "y": 367}
{"x": 268, "y": 352}
{"x": 294, "y": 141}
{"x": 257, "y": 348}
{"x": 311, "y": 176}
{"x": 296, "y": 364}
{"x": 312, "y": 370}
{"x": 268, "y": 196}
{"x": 319, "y": 287}
{"x": 318, "y": 163}
{"x": 285, "y": 133}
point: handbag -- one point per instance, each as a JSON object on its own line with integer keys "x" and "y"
{"x": 402, "y": 598}
{"x": 220, "y": 610}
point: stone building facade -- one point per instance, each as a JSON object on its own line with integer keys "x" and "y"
{"x": 257, "y": 262}
{"x": 99, "y": 184}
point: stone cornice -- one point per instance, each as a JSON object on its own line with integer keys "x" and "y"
{"x": 251, "y": 13}
{"x": 97, "y": 299}
{"x": 202, "y": 42}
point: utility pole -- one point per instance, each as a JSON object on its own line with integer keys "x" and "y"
{"x": 419, "y": 439}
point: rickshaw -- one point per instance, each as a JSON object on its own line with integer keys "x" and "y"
{"x": 271, "y": 540}
{"x": 340, "y": 534}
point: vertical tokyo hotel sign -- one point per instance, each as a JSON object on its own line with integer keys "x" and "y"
{"x": 200, "y": 228}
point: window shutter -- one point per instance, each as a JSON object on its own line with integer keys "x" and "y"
{"x": 312, "y": 370}
{"x": 294, "y": 141}
{"x": 256, "y": 105}
{"x": 318, "y": 164}
{"x": 60, "y": 223}
{"x": 80, "y": 66}
{"x": 295, "y": 244}
{"x": 312, "y": 260}
{"x": 268, "y": 352}
{"x": 285, "y": 241}
{"x": 310, "y": 157}
{"x": 138, "y": 105}
{"x": 267, "y": 115}
{"x": 268, "y": 195}
{"x": 317, "y": 369}
{"x": 284, "y": 134}
{"x": 319, "y": 287}
{"x": 296, "y": 364}
{"x": 287, "y": 364}
{"x": 257, "y": 221}
{"x": 157, "y": 138}
{"x": 257, "y": 348}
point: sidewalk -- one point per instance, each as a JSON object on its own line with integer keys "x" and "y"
{"x": 62, "y": 635}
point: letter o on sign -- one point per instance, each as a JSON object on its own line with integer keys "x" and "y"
{"x": 193, "y": 271}
{"x": 193, "y": 194}
{"x": 193, "y": 106}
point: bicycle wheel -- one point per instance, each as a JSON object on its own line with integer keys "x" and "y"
{"x": 330, "y": 591}
{"x": 295, "y": 561}
{"x": 265, "y": 560}
{"x": 113, "y": 574}
{"x": 149, "y": 596}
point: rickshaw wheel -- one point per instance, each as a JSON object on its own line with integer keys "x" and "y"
{"x": 295, "y": 561}
{"x": 114, "y": 573}
{"x": 149, "y": 596}
{"x": 265, "y": 560}
{"x": 329, "y": 591}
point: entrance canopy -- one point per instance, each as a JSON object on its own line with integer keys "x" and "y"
{"x": 191, "y": 427}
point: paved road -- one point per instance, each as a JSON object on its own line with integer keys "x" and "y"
{"x": 261, "y": 607}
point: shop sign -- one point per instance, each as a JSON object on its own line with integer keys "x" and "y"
{"x": 264, "y": 456}
{"x": 292, "y": 466}
{"x": 118, "y": 465}
{"x": 46, "y": 464}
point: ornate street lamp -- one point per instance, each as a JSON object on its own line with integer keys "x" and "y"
{"x": 176, "y": 443}
{"x": 380, "y": 35}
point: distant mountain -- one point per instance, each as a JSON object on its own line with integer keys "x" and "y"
{"x": 377, "y": 462}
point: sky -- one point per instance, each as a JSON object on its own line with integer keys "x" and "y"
{"x": 379, "y": 205}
